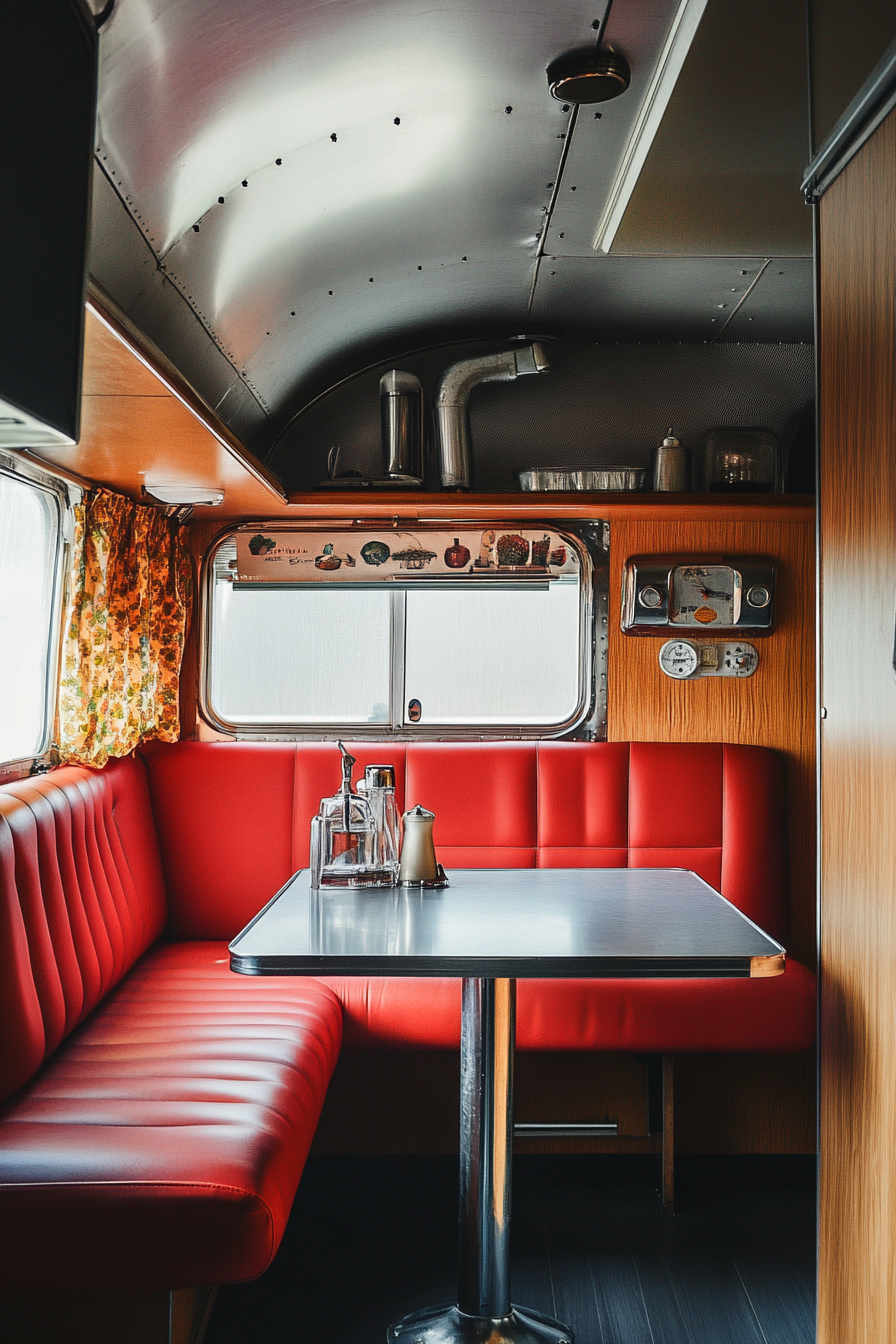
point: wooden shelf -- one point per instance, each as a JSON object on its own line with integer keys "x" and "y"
{"x": 419, "y": 506}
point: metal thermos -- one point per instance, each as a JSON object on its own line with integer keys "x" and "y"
{"x": 671, "y": 465}
{"x": 418, "y": 855}
{"x": 401, "y": 416}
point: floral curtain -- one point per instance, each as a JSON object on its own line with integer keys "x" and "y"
{"x": 130, "y": 595}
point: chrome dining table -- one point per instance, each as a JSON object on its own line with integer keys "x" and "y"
{"x": 489, "y": 927}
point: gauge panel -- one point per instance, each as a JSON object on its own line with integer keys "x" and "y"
{"x": 713, "y": 595}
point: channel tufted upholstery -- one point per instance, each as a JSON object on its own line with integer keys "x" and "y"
{"x": 81, "y": 898}
{"x": 717, "y": 809}
{"x": 171, "y": 1104}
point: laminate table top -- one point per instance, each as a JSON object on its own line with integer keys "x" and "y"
{"x": 518, "y": 922}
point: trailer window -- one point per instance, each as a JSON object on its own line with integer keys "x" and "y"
{"x": 419, "y": 648}
{"x": 30, "y": 518}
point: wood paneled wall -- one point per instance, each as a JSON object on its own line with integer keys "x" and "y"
{"x": 857, "y": 318}
{"x": 737, "y": 1103}
{"x": 773, "y": 708}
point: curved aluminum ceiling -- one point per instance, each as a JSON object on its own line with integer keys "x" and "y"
{"x": 293, "y": 188}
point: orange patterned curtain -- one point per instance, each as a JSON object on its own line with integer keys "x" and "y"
{"x": 130, "y": 594}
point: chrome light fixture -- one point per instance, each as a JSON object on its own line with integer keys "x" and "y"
{"x": 588, "y": 76}
{"x": 174, "y": 493}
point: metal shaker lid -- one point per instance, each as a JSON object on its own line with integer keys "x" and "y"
{"x": 418, "y": 813}
{"x": 379, "y": 776}
{"x": 670, "y": 441}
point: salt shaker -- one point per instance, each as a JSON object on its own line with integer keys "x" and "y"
{"x": 418, "y": 855}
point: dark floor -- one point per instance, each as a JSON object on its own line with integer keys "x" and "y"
{"x": 373, "y": 1238}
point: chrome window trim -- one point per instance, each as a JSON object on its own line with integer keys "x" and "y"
{"x": 63, "y": 496}
{"x": 588, "y": 718}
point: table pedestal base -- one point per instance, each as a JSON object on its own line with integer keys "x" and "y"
{"x": 450, "y": 1325}
{"x": 484, "y": 1314}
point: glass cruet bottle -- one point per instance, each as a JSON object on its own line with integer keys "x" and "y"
{"x": 344, "y": 839}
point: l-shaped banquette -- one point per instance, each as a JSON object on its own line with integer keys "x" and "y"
{"x": 159, "y": 1108}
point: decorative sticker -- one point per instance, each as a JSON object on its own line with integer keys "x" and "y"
{"x": 281, "y": 556}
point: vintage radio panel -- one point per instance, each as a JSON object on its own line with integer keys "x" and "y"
{"x": 709, "y": 595}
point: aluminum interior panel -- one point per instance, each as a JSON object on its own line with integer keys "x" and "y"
{"x": 263, "y": 153}
{"x": 780, "y": 301}
{"x": 122, "y": 263}
{"x": 372, "y": 138}
{"x": 609, "y": 297}
{"x": 637, "y": 30}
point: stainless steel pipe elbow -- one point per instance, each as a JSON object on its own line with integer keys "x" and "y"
{"x": 453, "y": 395}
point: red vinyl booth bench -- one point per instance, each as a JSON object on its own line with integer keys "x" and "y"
{"x": 160, "y": 1108}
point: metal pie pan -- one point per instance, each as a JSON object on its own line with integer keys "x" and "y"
{"x": 582, "y": 478}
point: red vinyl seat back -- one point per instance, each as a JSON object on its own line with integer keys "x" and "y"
{"x": 483, "y": 795}
{"x": 234, "y": 818}
{"x": 717, "y": 809}
{"x": 81, "y": 898}
{"x": 234, "y": 821}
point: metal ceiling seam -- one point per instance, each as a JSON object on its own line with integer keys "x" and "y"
{"x": 142, "y": 232}
{"x": 549, "y": 209}
{"x": 747, "y": 292}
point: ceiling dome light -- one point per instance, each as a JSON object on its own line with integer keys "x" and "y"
{"x": 588, "y": 76}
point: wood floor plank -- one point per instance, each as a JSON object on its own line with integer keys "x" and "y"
{"x": 371, "y": 1239}
{"x": 784, "y": 1303}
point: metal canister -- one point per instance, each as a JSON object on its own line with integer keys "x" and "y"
{"x": 671, "y": 465}
{"x": 401, "y": 413}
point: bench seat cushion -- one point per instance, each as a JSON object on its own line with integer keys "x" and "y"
{"x": 162, "y": 1144}
{"x": 775, "y": 1014}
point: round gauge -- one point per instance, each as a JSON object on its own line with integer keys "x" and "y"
{"x": 759, "y": 596}
{"x": 679, "y": 658}
{"x": 650, "y": 598}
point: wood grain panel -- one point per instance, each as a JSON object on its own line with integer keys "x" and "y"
{"x": 857, "y": 1252}
{"x": 773, "y": 708}
{"x": 134, "y": 428}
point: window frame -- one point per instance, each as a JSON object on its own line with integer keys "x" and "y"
{"x": 63, "y": 496}
{"x": 589, "y": 540}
